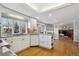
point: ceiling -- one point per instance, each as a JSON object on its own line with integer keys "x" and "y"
{"x": 51, "y": 13}
{"x": 42, "y": 7}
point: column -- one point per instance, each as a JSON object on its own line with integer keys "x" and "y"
{"x": 76, "y": 30}
{"x": 56, "y": 32}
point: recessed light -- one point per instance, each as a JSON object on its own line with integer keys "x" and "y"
{"x": 50, "y": 14}
{"x": 37, "y": 17}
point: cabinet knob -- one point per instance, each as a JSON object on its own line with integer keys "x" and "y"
{"x": 11, "y": 41}
{"x": 22, "y": 39}
{"x": 5, "y": 39}
{"x": 1, "y": 41}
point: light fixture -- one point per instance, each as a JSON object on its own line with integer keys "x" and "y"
{"x": 37, "y": 17}
{"x": 70, "y": 28}
{"x": 42, "y": 7}
{"x": 16, "y": 16}
{"x": 50, "y": 14}
{"x": 12, "y": 16}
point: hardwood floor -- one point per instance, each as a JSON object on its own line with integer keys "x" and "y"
{"x": 62, "y": 47}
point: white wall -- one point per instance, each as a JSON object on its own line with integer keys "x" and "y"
{"x": 22, "y": 8}
{"x": 8, "y": 11}
{"x": 76, "y": 30}
{"x": 66, "y": 26}
{"x": 56, "y": 32}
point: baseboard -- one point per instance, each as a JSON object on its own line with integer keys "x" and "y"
{"x": 35, "y": 46}
{"x": 45, "y": 47}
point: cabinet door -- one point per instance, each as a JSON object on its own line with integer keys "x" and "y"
{"x": 18, "y": 43}
{"x": 11, "y": 42}
{"x": 8, "y": 40}
{"x": 41, "y": 40}
{"x": 14, "y": 44}
{"x": 34, "y": 40}
{"x": 48, "y": 41}
{"x": 45, "y": 41}
{"x": 25, "y": 42}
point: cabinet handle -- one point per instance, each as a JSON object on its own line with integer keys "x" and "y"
{"x": 1, "y": 41}
{"x": 11, "y": 41}
{"x": 5, "y": 39}
{"x": 22, "y": 39}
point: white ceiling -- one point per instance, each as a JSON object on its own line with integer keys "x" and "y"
{"x": 42, "y": 7}
{"x": 51, "y": 13}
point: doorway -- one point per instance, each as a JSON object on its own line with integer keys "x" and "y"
{"x": 66, "y": 31}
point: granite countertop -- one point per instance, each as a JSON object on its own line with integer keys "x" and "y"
{"x": 16, "y": 35}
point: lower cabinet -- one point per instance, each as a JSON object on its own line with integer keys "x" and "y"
{"x": 34, "y": 40}
{"x": 41, "y": 40}
{"x": 19, "y": 43}
{"x": 13, "y": 43}
{"x": 49, "y": 41}
{"x": 25, "y": 41}
{"x": 45, "y": 41}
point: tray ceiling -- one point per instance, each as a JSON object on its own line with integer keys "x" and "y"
{"x": 42, "y": 7}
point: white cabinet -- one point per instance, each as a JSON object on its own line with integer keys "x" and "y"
{"x": 34, "y": 40}
{"x": 41, "y": 40}
{"x": 13, "y": 43}
{"x": 25, "y": 42}
{"x": 45, "y": 41}
{"x": 18, "y": 43}
{"x": 48, "y": 42}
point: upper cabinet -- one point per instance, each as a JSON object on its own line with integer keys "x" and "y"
{"x": 32, "y": 26}
{"x": 12, "y": 26}
{"x": 16, "y": 27}
{"x": 6, "y": 27}
{"x": 41, "y": 28}
{"x": 49, "y": 28}
{"x": 23, "y": 27}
